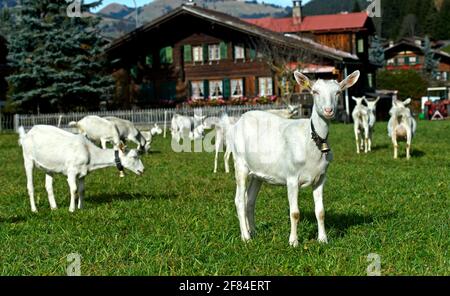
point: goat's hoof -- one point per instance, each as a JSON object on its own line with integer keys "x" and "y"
{"x": 71, "y": 210}
{"x": 34, "y": 210}
{"x": 246, "y": 238}
{"x": 293, "y": 243}
{"x": 323, "y": 240}
{"x": 54, "y": 208}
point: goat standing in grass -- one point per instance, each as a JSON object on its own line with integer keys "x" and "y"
{"x": 401, "y": 126}
{"x": 371, "y": 109}
{"x": 57, "y": 151}
{"x": 155, "y": 130}
{"x": 186, "y": 127}
{"x": 221, "y": 129}
{"x": 360, "y": 116}
{"x": 97, "y": 129}
{"x": 287, "y": 152}
{"x": 128, "y": 132}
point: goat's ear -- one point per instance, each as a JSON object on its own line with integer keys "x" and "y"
{"x": 122, "y": 147}
{"x": 303, "y": 81}
{"x": 350, "y": 80}
{"x": 407, "y": 101}
{"x": 377, "y": 99}
{"x": 354, "y": 99}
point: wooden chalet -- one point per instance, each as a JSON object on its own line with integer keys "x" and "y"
{"x": 348, "y": 32}
{"x": 408, "y": 54}
{"x": 197, "y": 53}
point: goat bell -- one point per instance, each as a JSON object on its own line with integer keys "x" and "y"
{"x": 324, "y": 148}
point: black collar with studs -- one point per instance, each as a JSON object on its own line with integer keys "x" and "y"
{"x": 117, "y": 160}
{"x": 321, "y": 143}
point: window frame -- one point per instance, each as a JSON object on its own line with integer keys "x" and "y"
{"x": 201, "y": 86}
{"x": 197, "y": 49}
{"x": 211, "y": 88}
{"x": 233, "y": 84}
{"x": 239, "y": 49}
{"x": 211, "y": 49}
{"x": 265, "y": 86}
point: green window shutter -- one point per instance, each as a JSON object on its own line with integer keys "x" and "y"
{"x": 205, "y": 52}
{"x": 223, "y": 51}
{"x": 169, "y": 55}
{"x": 162, "y": 56}
{"x": 149, "y": 60}
{"x": 252, "y": 53}
{"x": 189, "y": 89}
{"x": 226, "y": 88}
{"x": 187, "y": 53}
{"x": 406, "y": 60}
{"x": 206, "y": 88}
{"x": 256, "y": 86}
{"x": 134, "y": 72}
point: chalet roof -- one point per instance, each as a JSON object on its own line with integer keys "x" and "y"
{"x": 239, "y": 25}
{"x": 405, "y": 44}
{"x": 328, "y": 22}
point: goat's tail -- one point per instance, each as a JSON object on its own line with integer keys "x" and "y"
{"x": 21, "y": 132}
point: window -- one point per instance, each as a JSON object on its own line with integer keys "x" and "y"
{"x": 198, "y": 53}
{"x": 237, "y": 90}
{"x": 360, "y": 45}
{"x": 412, "y": 60}
{"x": 400, "y": 61}
{"x": 214, "y": 52}
{"x": 265, "y": 86}
{"x": 197, "y": 90}
{"x": 215, "y": 89}
{"x": 239, "y": 52}
{"x": 391, "y": 62}
{"x": 444, "y": 76}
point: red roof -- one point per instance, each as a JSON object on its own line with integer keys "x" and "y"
{"x": 328, "y": 22}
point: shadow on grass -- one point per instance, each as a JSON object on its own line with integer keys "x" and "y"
{"x": 380, "y": 147}
{"x": 106, "y": 198}
{"x": 417, "y": 153}
{"x": 12, "y": 219}
{"x": 341, "y": 223}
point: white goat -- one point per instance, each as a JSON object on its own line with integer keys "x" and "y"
{"x": 401, "y": 126}
{"x": 221, "y": 129}
{"x": 148, "y": 135}
{"x": 371, "y": 109}
{"x": 128, "y": 132}
{"x": 187, "y": 127}
{"x": 57, "y": 151}
{"x": 97, "y": 129}
{"x": 360, "y": 116}
{"x": 288, "y": 113}
{"x": 287, "y": 152}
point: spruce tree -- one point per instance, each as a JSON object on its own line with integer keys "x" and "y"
{"x": 430, "y": 64}
{"x": 376, "y": 51}
{"x": 57, "y": 60}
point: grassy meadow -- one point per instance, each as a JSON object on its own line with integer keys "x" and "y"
{"x": 180, "y": 219}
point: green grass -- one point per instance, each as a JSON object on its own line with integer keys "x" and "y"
{"x": 180, "y": 219}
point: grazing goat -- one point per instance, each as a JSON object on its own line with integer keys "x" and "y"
{"x": 127, "y": 131}
{"x": 371, "y": 109}
{"x": 221, "y": 129}
{"x": 287, "y": 152}
{"x": 360, "y": 116}
{"x": 57, "y": 151}
{"x": 288, "y": 113}
{"x": 155, "y": 130}
{"x": 187, "y": 127}
{"x": 97, "y": 129}
{"x": 401, "y": 126}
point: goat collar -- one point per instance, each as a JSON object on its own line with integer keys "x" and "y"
{"x": 321, "y": 143}
{"x": 117, "y": 161}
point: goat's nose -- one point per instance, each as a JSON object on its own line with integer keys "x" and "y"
{"x": 328, "y": 110}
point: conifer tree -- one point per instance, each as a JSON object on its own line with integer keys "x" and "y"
{"x": 57, "y": 59}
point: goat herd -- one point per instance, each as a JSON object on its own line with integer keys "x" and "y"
{"x": 267, "y": 146}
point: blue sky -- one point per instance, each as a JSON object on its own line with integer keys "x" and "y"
{"x": 130, "y": 3}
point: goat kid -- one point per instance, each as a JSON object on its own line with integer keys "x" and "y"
{"x": 371, "y": 109}
{"x": 360, "y": 117}
{"x": 401, "y": 126}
